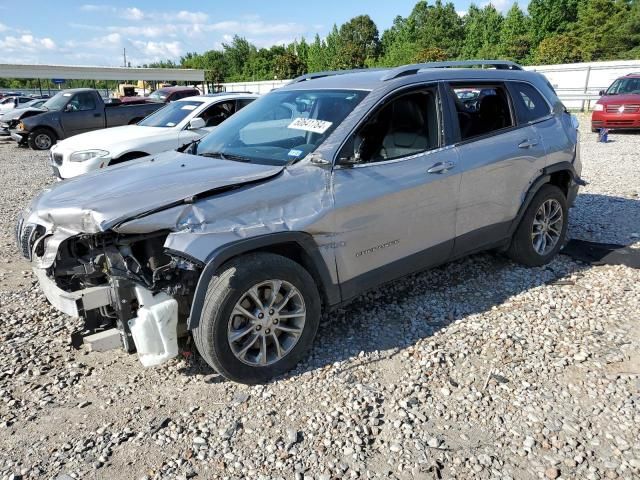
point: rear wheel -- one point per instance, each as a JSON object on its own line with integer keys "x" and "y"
{"x": 542, "y": 230}
{"x": 41, "y": 139}
{"x": 260, "y": 317}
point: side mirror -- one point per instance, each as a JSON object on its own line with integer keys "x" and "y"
{"x": 602, "y": 93}
{"x": 354, "y": 159}
{"x": 197, "y": 124}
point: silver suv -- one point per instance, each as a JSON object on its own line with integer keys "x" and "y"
{"x": 314, "y": 193}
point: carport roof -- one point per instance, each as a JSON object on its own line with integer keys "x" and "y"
{"x": 99, "y": 73}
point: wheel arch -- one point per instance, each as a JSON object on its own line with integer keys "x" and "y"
{"x": 297, "y": 246}
{"x": 563, "y": 175}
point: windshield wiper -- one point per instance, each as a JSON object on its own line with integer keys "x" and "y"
{"x": 225, "y": 156}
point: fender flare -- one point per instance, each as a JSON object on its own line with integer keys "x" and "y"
{"x": 219, "y": 256}
{"x": 543, "y": 179}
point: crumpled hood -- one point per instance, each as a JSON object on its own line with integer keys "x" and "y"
{"x": 99, "y": 200}
{"x": 17, "y": 113}
{"x": 105, "y": 139}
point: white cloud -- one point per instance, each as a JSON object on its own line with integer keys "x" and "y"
{"x": 133, "y": 13}
{"x": 89, "y": 7}
{"x": 159, "y": 50}
{"x": 256, "y": 27}
{"x": 3, "y": 27}
{"x": 25, "y": 43}
{"x": 191, "y": 17}
{"x": 500, "y": 5}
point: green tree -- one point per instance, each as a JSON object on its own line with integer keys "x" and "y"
{"x": 358, "y": 41}
{"x": 549, "y": 17}
{"x": 600, "y": 30}
{"x": 237, "y": 55}
{"x": 515, "y": 42}
{"x": 483, "y": 30}
{"x": 562, "y": 48}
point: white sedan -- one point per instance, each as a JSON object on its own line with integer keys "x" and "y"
{"x": 173, "y": 126}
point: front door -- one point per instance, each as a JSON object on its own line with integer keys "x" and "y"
{"x": 395, "y": 192}
{"x": 81, "y": 114}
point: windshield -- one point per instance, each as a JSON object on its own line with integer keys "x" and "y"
{"x": 32, "y": 103}
{"x": 624, "y": 85}
{"x": 280, "y": 127}
{"x": 57, "y": 102}
{"x": 171, "y": 115}
{"x": 159, "y": 95}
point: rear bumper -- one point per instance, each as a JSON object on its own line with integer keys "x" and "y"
{"x": 74, "y": 304}
{"x": 616, "y": 121}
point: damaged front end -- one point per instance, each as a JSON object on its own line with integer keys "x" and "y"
{"x": 129, "y": 282}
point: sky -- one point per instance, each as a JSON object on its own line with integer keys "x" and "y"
{"x": 91, "y": 32}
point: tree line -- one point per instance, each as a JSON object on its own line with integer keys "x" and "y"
{"x": 549, "y": 32}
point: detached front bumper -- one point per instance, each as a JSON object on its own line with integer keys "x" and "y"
{"x": 18, "y": 137}
{"x": 74, "y": 304}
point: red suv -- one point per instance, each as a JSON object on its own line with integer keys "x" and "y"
{"x": 619, "y": 106}
{"x": 171, "y": 94}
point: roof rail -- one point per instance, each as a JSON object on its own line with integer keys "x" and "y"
{"x": 415, "y": 68}
{"x": 331, "y": 73}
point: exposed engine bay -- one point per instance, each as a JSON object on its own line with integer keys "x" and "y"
{"x": 134, "y": 267}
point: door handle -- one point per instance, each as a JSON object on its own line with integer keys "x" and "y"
{"x": 528, "y": 144}
{"x": 441, "y": 167}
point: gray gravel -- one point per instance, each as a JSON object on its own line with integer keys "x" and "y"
{"x": 479, "y": 369}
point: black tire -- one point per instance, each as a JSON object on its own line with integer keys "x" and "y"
{"x": 226, "y": 288}
{"x": 522, "y": 248}
{"x": 41, "y": 139}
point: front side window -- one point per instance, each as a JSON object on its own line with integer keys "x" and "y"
{"x": 218, "y": 113}
{"x": 170, "y": 115}
{"x": 281, "y": 127}
{"x": 529, "y": 103}
{"x": 82, "y": 102}
{"x": 404, "y": 126}
{"x": 485, "y": 112}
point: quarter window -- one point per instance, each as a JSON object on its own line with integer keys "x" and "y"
{"x": 530, "y": 104}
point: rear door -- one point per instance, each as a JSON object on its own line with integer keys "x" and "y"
{"x": 499, "y": 155}
{"x": 82, "y": 113}
{"x": 395, "y": 209}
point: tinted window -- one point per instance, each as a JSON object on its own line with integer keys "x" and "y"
{"x": 81, "y": 102}
{"x": 218, "y": 113}
{"x": 243, "y": 102}
{"x": 405, "y": 126}
{"x": 529, "y": 103}
{"x": 481, "y": 109}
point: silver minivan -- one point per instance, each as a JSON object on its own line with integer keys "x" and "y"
{"x": 320, "y": 190}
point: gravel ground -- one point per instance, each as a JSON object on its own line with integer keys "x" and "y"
{"x": 479, "y": 369}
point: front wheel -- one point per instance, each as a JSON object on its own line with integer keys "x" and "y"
{"x": 260, "y": 316}
{"x": 542, "y": 230}
{"x": 41, "y": 139}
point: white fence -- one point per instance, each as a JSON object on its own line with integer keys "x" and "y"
{"x": 577, "y": 84}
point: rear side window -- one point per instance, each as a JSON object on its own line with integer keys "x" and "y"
{"x": 481, "y": 109}
{"x": 529, "y": 103}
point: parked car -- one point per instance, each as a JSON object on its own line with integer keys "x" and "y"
{"x": 9, "y": 103}
{"x": 173, "y": 126}
{"x": 75, "y": 111}
{"x": 249, "y": 234}
{"x": 11, "y": 118}
{"x": 619, "y": 106}
{"x": 171, "y": 94}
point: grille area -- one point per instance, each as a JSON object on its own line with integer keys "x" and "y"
{"x": 25, "y": 241}
{"x": 626, "y": 108}
{"x": 57, "y": 158}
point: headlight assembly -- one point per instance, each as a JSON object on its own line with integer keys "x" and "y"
{"x": 598, "y": 107}
{"x": 87, "y": 155}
